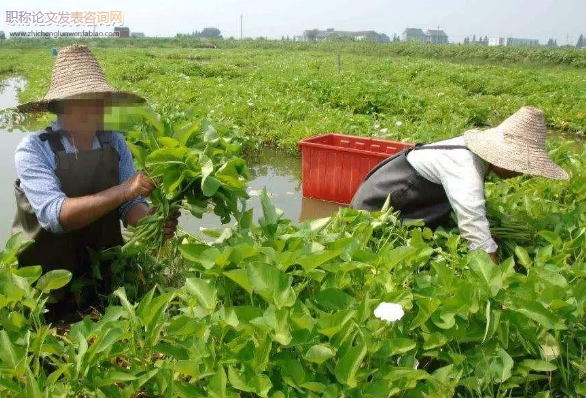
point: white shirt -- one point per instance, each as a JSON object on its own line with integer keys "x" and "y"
{"x": 462, "y": 174}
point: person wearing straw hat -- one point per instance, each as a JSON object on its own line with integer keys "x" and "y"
{"x": 427, "y": 182}
{"x": 75, "y": 181}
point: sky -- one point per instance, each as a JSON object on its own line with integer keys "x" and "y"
{"x": 563, "y": 20}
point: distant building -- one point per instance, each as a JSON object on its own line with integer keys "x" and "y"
{"x": 436, "y": 37}
{"x": 512, "y": 41}
{"x": 497, "y": 41}
{"x": 2, "y": 35}
{"x": 137, "y": 35}
{"x": 331, "y": 34}
{"x": 413, "y": 34}
{"x": 123, "y": 31}
{"x": 297, "y": 38}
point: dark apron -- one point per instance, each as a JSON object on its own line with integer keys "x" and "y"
{"x": 415, "y": 197}
{"x": 81, "y": 174}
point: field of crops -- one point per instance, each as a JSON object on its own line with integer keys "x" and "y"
{"x": 271, "y": 308}
{"x": 279, "y": 96}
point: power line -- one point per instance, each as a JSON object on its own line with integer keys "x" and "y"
{"x": 241, "y": 18}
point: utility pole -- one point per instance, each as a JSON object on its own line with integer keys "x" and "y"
{"x": 241, "y": 17}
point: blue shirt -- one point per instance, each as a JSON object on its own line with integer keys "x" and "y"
{"x": 35, "y": 166}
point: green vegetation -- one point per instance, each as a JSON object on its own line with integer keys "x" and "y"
{"x": 277, "y": 96}
{"x": 281, "y": 310}
{"x": 274, "y": 309}
{"x": 196, "y": 166}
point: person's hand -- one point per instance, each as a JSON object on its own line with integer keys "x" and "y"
{"x": 170, "y": 225}
{"x": 137, "y": 185}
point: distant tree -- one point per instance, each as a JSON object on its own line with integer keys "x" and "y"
{"x": 581, "y": 42}
{"x": 486, "y": 40}
{"x": 396, "y": 38}
{"x": 466, "y": 41}
{"x": 383, "y": 38}
{"x": 211, "y": 33}
{"x": 311, "y": 35}
{"x": 552, "y": 43}
{"x": 474, "y": 39}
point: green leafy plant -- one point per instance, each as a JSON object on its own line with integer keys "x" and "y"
{"x": 195, "y": 166}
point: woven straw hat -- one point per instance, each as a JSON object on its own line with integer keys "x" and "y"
{"x": 78, "y": 75}
{"x": 518, "y": 144}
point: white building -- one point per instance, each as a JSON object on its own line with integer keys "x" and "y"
{"x": 512, "y": 41}
{"x": 497, "y": 41}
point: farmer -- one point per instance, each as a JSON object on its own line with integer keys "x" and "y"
{"x": 76, "y": 182}
{"x": 428, "y": 182}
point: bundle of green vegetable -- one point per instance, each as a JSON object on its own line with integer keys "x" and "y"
{"x": 195, "y": 166}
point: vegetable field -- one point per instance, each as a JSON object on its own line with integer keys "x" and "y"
{"x": 354, "y": 305}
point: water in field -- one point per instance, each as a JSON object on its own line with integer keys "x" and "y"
{"x": 279, "y": 172}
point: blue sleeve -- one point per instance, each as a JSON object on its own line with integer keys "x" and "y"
{"x": 127, "y": 170}
{"x": 39, "y": 182}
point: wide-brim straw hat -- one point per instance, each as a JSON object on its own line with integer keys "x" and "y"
{"x": 518, "y": 144}
{"x": 78, "y": 75}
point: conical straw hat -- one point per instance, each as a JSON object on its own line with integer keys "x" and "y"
{"x": 78, "y": 75}
{"x": 518, "y": 144}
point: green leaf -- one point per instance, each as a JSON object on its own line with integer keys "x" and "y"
{"x": 538, "y": 365}
{"x": 165, "y": 156}
{"x": 537, "y": 312}
{"x": 395, "y": 346}
{"x": 314, "y": 260}
{"x": 485, "y": 271}
{"x": 240, "y": 276}
{"x": 32, "y": 386}
{"x": 404, "y": 374}
{"x": 217, "y": 384}
{"x": 31, "y": 274}
{"x": 239, "y": 382}
{"x": 434, "y": 340}
{"x": 53, "y": 280}
{"x": 334, "y": 299}
{"x": 398, "y": 255}
{"x": 348, "y": 366}
{"x": 7, "y": 351}
{"x": 523, "y": 256}
{"x": 152, "y": 117}
{"x": 329, "y": 325}
{"x": 272, "y": 284}
{"x": 319, "y": 354}
{"x": 205, "y": 293}
{"x": 209, "y": 185}
{"x": 270, "y": 216}
{"x": 184, "y": 133}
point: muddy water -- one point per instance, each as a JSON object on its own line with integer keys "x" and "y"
{"x": 278, "y": 172}
{"x": 9, "y": 139}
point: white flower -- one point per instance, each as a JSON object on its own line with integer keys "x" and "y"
{"x": 384, "y": 131}
{"x": 399, "y": 123}
{"x": 253, "y": 192}
{"x": 390, "y": 312}
{"x": 250, "y": 103}
{"x": 377, "y": 125}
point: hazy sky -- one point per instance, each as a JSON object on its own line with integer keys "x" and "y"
{"x": 539, "y": 19}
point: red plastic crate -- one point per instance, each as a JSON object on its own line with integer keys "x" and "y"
{"x": 334, "y": 165}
